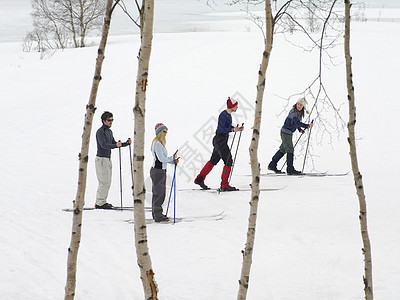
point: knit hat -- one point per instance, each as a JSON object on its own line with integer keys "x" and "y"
{"x": 303, "y": 101}
{"x": 159, "y": 127}
{"x": 231, "y": 103}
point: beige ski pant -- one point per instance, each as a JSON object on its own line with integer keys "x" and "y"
{"x": 103, "y": 172}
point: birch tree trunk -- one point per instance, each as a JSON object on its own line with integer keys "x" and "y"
{"x": 83, "y": 161}
{"x": 255, "y": 165}
{"x": 139, "y": 192}
{"x": 368, "y": 287}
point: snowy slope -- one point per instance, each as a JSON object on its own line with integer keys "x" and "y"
{"x": 308, "y": 243}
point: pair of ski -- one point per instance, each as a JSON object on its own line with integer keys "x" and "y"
{"x": 239, "y": 190}
{"x": 130, "y": 208}
{"x": 212, "y": 217}
{"x": 312, "y": 174}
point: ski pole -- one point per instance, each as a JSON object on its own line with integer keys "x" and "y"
{"x": 172, "y": 186}
{"x": 240, "y": 135}
{"x": 172, "y": 183}
{"x": 308, "y": 142}
{"x": 120, "y": 173}
{"x": 174, "y": 192}
{"x": 130, "y": 158}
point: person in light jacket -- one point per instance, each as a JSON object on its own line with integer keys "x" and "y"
{"x": 158, "y": 171}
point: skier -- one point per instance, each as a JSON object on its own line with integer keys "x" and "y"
{"x": 158, "y": 171}
{"x": 105, "y": 142}
{"x": 292, "y": 122}
{"x": 221, "y": 149}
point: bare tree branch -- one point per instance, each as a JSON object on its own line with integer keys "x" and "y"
{"x": 123, "y": 7}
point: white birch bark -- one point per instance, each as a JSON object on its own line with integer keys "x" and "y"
{"x": 83, "y": 161}
{"x": 139, "y": 192}
{"x": 255, "y": 165}
{"x": 368, "y": 286}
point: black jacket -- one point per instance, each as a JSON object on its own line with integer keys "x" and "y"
{"x": 105, "y": 141}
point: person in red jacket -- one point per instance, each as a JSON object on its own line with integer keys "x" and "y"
{"x": 221, "y": 149}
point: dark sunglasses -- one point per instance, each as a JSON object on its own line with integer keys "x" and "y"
{"x": 110, "y": 120}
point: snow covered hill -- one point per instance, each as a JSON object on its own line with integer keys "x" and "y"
{"x": 308, "y": 242}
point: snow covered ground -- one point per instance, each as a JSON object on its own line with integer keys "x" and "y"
{"x": 308, "y": 242}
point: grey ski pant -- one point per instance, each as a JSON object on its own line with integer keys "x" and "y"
{"x": 103, "y": 171}
{"x": 287, "y": 143}
{"x": 158, "y": 179}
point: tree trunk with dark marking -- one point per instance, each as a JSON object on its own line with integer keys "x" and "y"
{"x": 255, "y": 165}
{"x": 139, "y": 192}
{"x": 368, "y": 287}
{"x": 83, "y": 162}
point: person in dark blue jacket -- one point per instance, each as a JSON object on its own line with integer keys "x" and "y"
{"x": 292, "y": 122}
{"x": 221, "y": 149}
{"x": 105, "y": 142}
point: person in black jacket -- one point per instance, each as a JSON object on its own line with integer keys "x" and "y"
{"x": 105, "y": 142}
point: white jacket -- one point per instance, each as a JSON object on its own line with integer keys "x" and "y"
{"x": 161, "y": 153}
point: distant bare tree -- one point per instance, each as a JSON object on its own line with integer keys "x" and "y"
{"x": 58, "y": 24}
{"x": 83, "y": 162}
{"x": 139, "y": 191}
{"x": 314, "y": 24}
{"x": 368, "y": 285}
